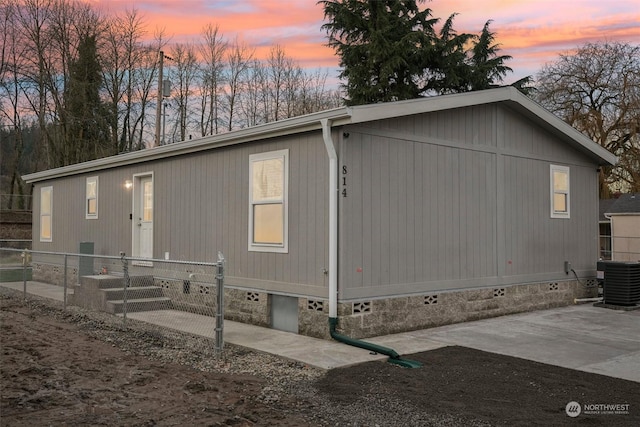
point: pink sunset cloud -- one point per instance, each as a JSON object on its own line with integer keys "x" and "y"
{"x": 534, "y": 33}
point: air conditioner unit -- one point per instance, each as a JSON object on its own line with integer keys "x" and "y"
{"x": 621, "y": 282}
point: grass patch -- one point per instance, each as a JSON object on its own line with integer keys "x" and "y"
{"x": 13, "y": 274}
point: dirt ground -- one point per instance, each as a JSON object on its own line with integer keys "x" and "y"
{"x": 55, "y": 372}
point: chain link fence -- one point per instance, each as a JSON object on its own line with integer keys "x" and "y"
{"x": 181, "y": 295}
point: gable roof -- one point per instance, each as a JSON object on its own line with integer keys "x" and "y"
{"x": 343, "y": 116}
{"x": 625, "y": 204}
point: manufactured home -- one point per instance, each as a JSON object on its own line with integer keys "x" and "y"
{"x": 388, "y": 217}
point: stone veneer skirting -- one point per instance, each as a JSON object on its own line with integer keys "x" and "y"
{"x": 366, "y": 318}
{"x": 54, "y": 274}
{"x": 393, "y": 315}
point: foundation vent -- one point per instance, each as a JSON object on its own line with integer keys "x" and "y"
{"x": 253, "y": 296}
{"x": 430, "y": 299}
{"x": 362, "y": 307}
{"x": 498, "y": 292}
{"x": 553, "y": 286}
{"x": 203, "y": 289}
{"x": 315, "y": 305}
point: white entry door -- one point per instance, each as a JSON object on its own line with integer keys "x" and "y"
{"x": 143, "y": 216}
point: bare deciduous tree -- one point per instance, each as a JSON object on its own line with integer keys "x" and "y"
{"x": 12, "y": 61}
{"x": 32, "y": 26}
{"x": 212, "y": 51}
{"x": 239, "y": 59}
{"x": 278, "y": 66}
{"x": 183, "y": 71}
{"x": 254, "y": 98}
{"x": 596, "y": 89}
{"x": 122, "y": 54}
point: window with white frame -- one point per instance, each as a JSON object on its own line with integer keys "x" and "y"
{"x": 91, "y": 198}
{"x": 560, "y": 194}
{"x": 268, "y": 186}
{"x": 46, "y": 208}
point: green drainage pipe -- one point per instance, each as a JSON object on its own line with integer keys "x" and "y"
{"x": 393, "y": 356}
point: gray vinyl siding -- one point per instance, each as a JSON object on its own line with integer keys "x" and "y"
{"x": 459, "y": 199}
{"x": 536, "y": 243}
{"x": 201, "y": 207}
{"x": 213, "y": 215}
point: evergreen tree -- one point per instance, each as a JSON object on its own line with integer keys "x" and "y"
{"x": 390, "y": 51}
{"x": 448, "y": 71}
{"x": 382, "y": 47}
{"x": 86, "y": 125}
{"x": 487, "y": 67}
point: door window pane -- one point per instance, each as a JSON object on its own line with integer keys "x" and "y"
{"x": 147, "y": 201}
{"x": 91, "y": 195}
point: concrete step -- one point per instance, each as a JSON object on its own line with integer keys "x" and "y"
{"x": 108, "y": 281}
{"x": 140, "y": 304}
{"x": 136, "y": 292}
{"x": 106, "y": 293}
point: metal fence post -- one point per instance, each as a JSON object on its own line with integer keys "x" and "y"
{"x": 25, "y": 255}
{"x": 125, "y": 269}
{"x": 220, "y": 304}
{"x": 64, "y": 298}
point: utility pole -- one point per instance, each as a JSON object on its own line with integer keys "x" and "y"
{"x": 160, "y": 100}
{"x": 162, "y": 93}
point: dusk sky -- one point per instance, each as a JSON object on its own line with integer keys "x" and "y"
{"x": 533, "y": 32}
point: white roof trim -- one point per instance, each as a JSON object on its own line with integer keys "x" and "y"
{"x": 338, "y": 117}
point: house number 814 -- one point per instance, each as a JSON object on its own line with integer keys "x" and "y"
{"x": 344, "y": 181}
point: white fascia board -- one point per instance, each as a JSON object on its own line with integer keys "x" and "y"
{"x": 381, "y": 111}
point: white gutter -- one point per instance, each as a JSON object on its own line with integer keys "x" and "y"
{"x": 333, "y": 217}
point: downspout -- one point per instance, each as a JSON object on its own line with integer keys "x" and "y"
{"x": 333, "y": 218}
{"x": 394, "y": 357}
